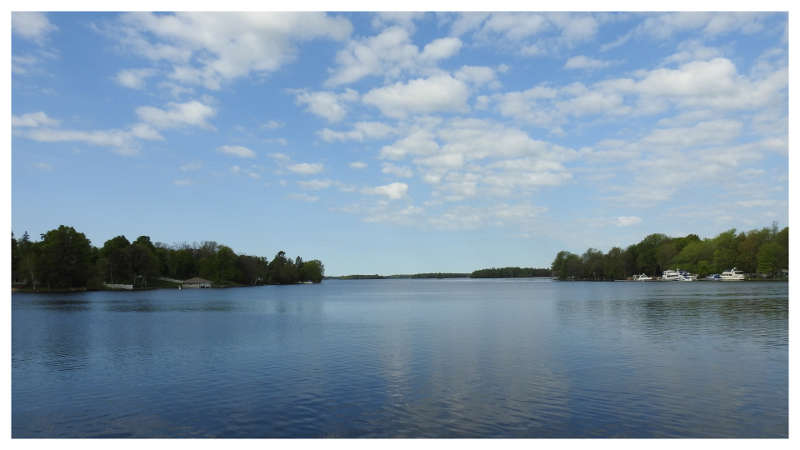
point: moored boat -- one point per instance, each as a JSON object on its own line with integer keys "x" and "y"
{"x": 732, "y": 275}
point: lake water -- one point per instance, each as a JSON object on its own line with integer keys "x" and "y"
{"x": 405, "y": 358}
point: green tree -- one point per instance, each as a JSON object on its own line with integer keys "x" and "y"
{"x": 769, "y": 258}
{"x": 725, "y": 250}
{"x": 143, "y": 260}
{"x": 15, "y": 257}
{"x": 116, "y": 252}
{"x": 614, "y": 265}
{"x": 65, "y": 258}
{"x": 313, "y": 271}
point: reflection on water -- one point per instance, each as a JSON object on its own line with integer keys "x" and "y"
{"x": 405, "y": 358}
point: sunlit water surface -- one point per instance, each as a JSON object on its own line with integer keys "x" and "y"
{"x": 405, "y": 358}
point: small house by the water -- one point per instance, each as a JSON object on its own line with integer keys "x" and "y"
{"x": 197, "y": 282}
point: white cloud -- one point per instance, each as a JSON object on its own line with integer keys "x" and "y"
{"x": 421, "y": 95}
{"x": 33, "y": 120}
{"x": 120, "y": 141}
{"x": 532, "y": 33}
{"x": 393, "y": 191}
{"x": 192, "y": 113}
{"x": 146, "y": 132}
{"x": 251, "y": 172}
{"x": 306, "y": 168}
{"x": 315, "y": 185}
{"x": 400, "y": 171}
{"x": 465, "y": 217}
{"x": 208, "y": 49}
{"x": 43, "y": 166}
{"x": 584, "y": 62}
{"x": 361, "y": 131}
{"x": 665, "y": 25}
{"x": 358, "y": 165}
{"x": 478, "y": 75}
{"x": 404, "y": 19}
{"x": 418, "y": 142}
{"x": 692, "y": 51}
{"x": 441, "y": 49}
{"x": 326, "y": 104}
{"x": 304, "y": 197}
{"x": 281, "y": 157}
{"x": 626, "y": 221}
{"x": 516, "y": 26}
{"x": 390, "y": 54}
{"x": 273, "y": 124}
{"x": 134, "y": 78}
{"x": 31, "y": 25}
{"x": 182, "y": 182}
{"x": 714, "y": 86}
{"x": 237, "y": 150}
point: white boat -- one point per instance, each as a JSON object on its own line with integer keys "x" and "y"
{"x": 686, "y": 276}
{"x": 670, "y": 275}
{"x": 641, "y": 277}
{"x": 732, "y": 275}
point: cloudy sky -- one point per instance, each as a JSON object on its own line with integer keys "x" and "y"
{"x": 399, "y": 143}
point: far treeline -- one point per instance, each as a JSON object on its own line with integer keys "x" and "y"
{"x": 65, "y": 259}
{"x": 763, "y": 253}
{"x": 503, "y": 272}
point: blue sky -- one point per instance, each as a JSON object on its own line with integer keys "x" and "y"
{"x": 399, "y": 143}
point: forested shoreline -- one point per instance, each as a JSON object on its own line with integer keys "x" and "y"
{"x": 502, "y": 272}
{"x": 64, "y": 259}
{"x": 762, "y": 253}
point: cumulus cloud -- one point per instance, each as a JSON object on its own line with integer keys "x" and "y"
{"x": 358, "y": 165}
{"x": 120, "y": 141}
{"x": 711, "y": 85}
{"x": 40, "y": 127}
{"x": 584, "y": 62}
{"x": 328, "y": 105}
{"x": 478, "y": 75}
{"x": 175, "y": 115}
{"x": 304, "y": 197}
{"x": 237, "y": 150}
{"x": 400, "y": 171}
{"x": 532, "y": 33}
{"x": 390, "y": 54}
{"x": 133, "y": 78}
{"x": 393, "y": 191}
{"x": 36, "y": 119}
{"x": 231, "y": 44}
{"x": 421, "y": 95}
{"x": 361, "y": 131}
{"x": 306, "y": 168}
{"x": 665, "y": 25}
{"x": 315, "y": 185}
{"x": 31, "y": 25}
{"x": 626, "y": 221}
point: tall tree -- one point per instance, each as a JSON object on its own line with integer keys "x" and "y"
{"x": 65, "y": 258}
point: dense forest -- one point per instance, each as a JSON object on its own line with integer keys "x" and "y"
{"x": 65, "y": 259}
{"x": 762, "y": 253}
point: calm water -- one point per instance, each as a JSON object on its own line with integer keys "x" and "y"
{"x": 405, "y": 358}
